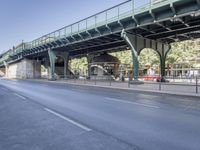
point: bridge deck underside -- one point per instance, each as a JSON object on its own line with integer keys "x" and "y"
{"x": 170, "y": 23}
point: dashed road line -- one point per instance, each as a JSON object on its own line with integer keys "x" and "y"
{"x": 68, "y": 120}
{"x": 134, "y": 103}
{"x": 22, "y": 97}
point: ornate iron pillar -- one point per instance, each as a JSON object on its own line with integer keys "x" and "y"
{"x": 135, "y": 66}
{"x": 162, "y": 68}
{"x": 163, "y": 49}
{"x": 131, "y": 40}
{"x": 52, "y": 58}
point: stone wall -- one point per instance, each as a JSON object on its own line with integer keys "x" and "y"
{"x": 25, "y": 69}
{"x": 37, "y": 69}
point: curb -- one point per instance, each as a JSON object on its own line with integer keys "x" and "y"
{"x": 124, "y": 89}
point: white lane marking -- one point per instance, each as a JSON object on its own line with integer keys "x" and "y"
{"x": 134, "y": 103}
{"x": 68, "y": 119}
{"x": 22, "y": 97}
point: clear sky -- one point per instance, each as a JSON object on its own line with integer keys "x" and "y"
{"x": 29, "y": 19}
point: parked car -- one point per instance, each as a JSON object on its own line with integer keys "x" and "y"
{"x": 155, "y": 77}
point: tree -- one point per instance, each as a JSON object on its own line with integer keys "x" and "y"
{"x": 149, "y": 56}
{"x": 181, "y": 52}
{"x": 79, "y": 64}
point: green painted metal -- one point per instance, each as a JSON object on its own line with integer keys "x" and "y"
{"x": 134, "y": 49}
{"x": 136, "y": 67}
{"x": 162, "y": 67}
{"x": 52, "y": 58}
{"x": 124, "y": 10}
{"x": 137, "y": 43}
{"x": 163, "y": 56}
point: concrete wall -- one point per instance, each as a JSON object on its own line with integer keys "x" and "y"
{"x": 37, "y": 69}
{"x": 25, "y": 69}
{"x": 2, "y": 71}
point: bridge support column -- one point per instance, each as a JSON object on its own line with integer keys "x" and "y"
{"x": 163, "y": 49}
{"x": 89, "y": 60}
{"x": 136, "y": 66}
{"x": 137, "y": 43}
{"x": 131, "y": 40}
{"x": 52, "y": 58}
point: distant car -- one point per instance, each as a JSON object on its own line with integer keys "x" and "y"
{"x": 155, "y": 77}
{"x": 158, "y": 79}
{"x": 82, "y": 77}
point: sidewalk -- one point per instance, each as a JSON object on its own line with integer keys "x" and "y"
{"x": 149, "y": 87}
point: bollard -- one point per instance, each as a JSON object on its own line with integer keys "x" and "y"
{"x": 110, "y": 81}
{"x": 160, "y": 86}
{"x": 196, "y": 85}
{"x": 129, "y": 83}
{"x": 95, "y": 82}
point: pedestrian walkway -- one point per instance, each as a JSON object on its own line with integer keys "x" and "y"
{"x": 184, "y": 89}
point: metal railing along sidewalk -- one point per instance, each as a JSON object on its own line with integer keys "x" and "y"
{"x": 190, "y": 88}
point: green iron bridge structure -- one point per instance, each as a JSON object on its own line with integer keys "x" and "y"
{"x": 131, "y": 25}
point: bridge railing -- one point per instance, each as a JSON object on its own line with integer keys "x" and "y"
{"x": 116, "y": 13}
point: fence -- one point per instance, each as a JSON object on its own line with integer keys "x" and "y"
{"x": 181, "y": 87}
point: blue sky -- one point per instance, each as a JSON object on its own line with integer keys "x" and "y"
{"x": 29, "y": 19}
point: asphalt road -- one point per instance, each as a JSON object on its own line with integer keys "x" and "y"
{"x": 48, "y": 116}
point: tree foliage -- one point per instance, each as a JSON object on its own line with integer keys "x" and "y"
{"x": 79, "y": 63}
{"x": 125, "y": 57}
{"x": 181, "y": 52}
{"x": 148, "y": 57}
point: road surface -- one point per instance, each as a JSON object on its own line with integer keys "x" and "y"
{"x": 47, "y": 116}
